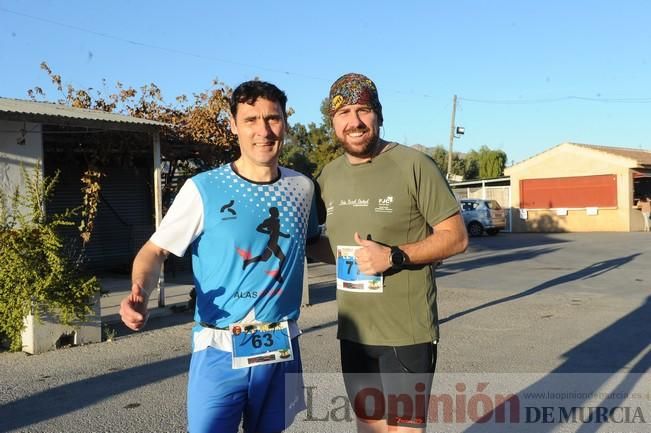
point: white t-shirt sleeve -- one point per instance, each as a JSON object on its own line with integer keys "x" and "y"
{"x": 182, "y": 223}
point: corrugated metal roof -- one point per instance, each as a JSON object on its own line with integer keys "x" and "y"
{"x": 479, "y": 182}
{"x": 48, "y": 109}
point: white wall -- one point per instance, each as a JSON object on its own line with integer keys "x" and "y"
{"x": 14, "y": 156}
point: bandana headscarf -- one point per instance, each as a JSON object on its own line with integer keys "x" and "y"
{"x": 353, "y": 89}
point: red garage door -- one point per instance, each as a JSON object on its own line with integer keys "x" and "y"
{"x": 569, "y": 192}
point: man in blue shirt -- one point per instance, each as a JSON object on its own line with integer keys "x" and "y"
{"x": 247, "y": 223}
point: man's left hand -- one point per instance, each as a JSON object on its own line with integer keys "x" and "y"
{"x": 372, "y": 258}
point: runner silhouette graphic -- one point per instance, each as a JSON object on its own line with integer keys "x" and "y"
{"x": 270, "y": 226}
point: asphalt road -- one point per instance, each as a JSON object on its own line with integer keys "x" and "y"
{"x": 521, "y": 305}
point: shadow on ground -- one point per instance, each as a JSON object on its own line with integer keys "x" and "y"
{"x": 64, "y": 399}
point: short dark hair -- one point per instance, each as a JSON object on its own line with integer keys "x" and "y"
{"x": 249, "y": 91}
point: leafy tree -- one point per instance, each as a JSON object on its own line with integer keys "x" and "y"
{"x": 440, "y": 157}
{"x": 318, "y": 142}
{"x": 459, "y": 165}
{"x": 39, "y": 273}
{"x": 298, "y": 136}
{"x": 482, "y": 164}
{"x": 471, "y": 162}
{"x": 293, "y": 156}
{"x": 326, "y": 146}
{"x": 198, "y": 136}
{"x": 297, "y": 149}
{"x": 491, "y": 163}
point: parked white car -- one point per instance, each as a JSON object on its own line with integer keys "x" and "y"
{"x": 482, "y": 216}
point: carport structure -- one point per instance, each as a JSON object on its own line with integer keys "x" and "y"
{"x": 60, "y": 138}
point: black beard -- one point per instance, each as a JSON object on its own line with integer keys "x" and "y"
{"x": 367, "y": 150}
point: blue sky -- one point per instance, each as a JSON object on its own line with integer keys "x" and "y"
{"x": 529, "y": 74}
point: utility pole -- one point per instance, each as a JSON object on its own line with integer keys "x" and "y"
{"x": 454, "y": 112}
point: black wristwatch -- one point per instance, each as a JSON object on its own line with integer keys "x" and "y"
{"x": 397, "y": 258}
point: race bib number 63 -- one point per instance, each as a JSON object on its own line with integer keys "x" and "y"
{"x": 260, "y": 343}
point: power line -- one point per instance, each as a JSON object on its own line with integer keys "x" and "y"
{"x": 188, "y": 53}
{"x": 643, "y": 100}
{"x": 156, "y": 47}
{"x": 559, "y": 99}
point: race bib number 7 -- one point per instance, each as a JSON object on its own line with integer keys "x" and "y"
{"x": 260, "y": 343}
{"x": 350, "y": 278}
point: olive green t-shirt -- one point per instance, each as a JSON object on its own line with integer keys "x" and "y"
{"x": 396, "y": 198}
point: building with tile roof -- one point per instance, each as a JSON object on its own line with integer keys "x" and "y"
{"x": 580, "y": 187}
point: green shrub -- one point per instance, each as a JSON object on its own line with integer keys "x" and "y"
{"x": 38, "y": 274}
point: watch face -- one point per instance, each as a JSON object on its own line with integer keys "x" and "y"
{"x": 397, "y": 258}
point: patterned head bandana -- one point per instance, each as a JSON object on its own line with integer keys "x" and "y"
{"x": 353, "y": 89}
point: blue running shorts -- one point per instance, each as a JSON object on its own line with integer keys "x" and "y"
{"x": 219, "y": 397}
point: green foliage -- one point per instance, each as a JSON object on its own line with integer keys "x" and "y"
{"x": 317, "y": 143}
{"x": 471, "y": 165}
{"x": 491, "y": 163}
{"x": 109, "y": 332}
{"x": 326, "y": 147}
{"x": 309, "y": 148}
{"x": 440, "y": 156}
{"x": 296, "y": 151}
{"x": 482, "y": 164}
{"x": 197, "y": 135}
{"x": 38, "y": 274}
{"x": 296, "y": 158}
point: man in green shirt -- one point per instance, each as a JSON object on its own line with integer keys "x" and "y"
{"x": 390, "y": 216}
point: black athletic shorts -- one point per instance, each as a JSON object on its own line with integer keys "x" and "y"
{"x": 389, "y": 382}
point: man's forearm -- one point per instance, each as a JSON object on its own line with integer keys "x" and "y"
{"x": 449, "y": 238}
{"x": 147, "y": 266}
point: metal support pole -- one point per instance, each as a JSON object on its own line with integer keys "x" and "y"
{"x": 158, "y": 209}
{"x": 454, "y": 111}
{"x": 306, "y": 285}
